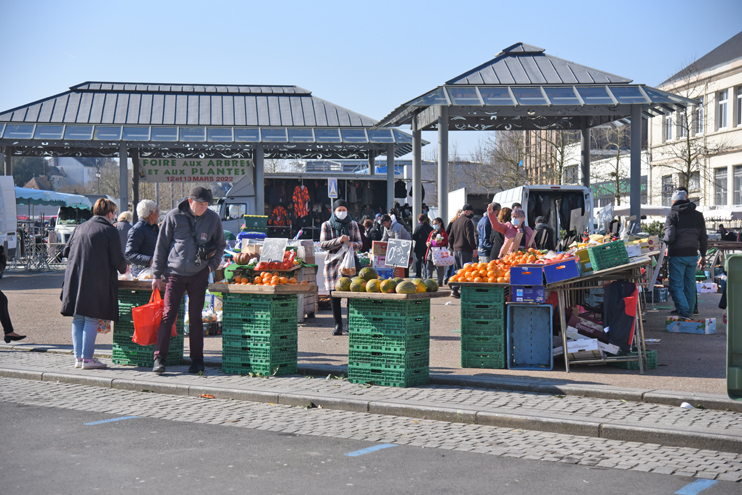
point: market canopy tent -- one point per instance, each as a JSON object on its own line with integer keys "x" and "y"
{"x": 26, "y": 196}
{"x": 523, "y": 88}
{"x": 106, "y": 119}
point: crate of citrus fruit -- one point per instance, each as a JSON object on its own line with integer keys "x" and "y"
{"x": 496, "y": 271}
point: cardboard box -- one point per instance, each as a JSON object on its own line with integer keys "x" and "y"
{"x": 378, "y": 248}
{"x": 580, "y": 349}
{"x": 385, "y": 273}
{"x": 378, "y": 261}
{"x": 584, "y": 260}
{"x": 527, "y": 275}
{"x": 588, "y": 328}
{"x": 676, "y": 324}
{"x": 563, "y": 270}
{"x": 633, "y": 250}
{"x": 706, "y": 287}
{"x": 528, "y": 294}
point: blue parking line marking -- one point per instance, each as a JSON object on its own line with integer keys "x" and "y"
{"x": 370, "y": 449}
{"x": 110, "y": 420}
{"x": 696, "y": 487}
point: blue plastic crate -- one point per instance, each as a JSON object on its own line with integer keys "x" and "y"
{"x": 527, "y": 275}
{"x": 529, "y": 337}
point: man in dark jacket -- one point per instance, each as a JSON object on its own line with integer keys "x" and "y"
{"x": 543, "y": 235}
{"x": 462, "y": 241}
{"x": 685, "y": 235}
{"x": 484, "y": 230}
{"x": 190, "y": 226}
{"x": 140, "y": 246}
{"x": 420, "y": 236}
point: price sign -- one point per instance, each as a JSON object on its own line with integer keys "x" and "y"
{"x": 273, "y": 250}
{"x": 398, "y": 252}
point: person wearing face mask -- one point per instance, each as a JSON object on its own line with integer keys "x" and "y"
{"x": 437, "y": 238}
{"x": 90, "y": 290}
{"x": 462, "y": 241}
{"x": 511, "y": 229}
{"x": 336, "y": 232}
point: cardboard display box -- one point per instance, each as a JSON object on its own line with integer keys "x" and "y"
{"x": 378, "y": 248}
{"x": 528, "y": 294}
{"x": 676, "y": 324}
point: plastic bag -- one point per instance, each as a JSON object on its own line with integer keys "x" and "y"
{"x": 348, "y": 265}
{"x": 442, "y": 257}
{"x": 146, "y": 274}
{"x": 104, "y": 326}
{"x": 147, "y": 320}
{"x": 337, "y": 255}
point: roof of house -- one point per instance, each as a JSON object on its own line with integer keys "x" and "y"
{"x": 40, "y": 183}
{"x": 727, "y": 52}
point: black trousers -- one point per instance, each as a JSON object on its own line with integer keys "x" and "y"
{"x": 4, "y": 315}
{"x": 337, "y": 311}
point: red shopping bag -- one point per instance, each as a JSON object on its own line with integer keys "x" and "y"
{"x": 147, "y": 320}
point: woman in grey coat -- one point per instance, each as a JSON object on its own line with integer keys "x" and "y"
{"x": 90, "y": 291}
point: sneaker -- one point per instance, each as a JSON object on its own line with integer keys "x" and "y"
{"x": 92, "y": 364}
{"x": 159, "y": 366}
{"x": 455, "y": 295}
{"x": 196, "y": 366}
{"x": 78, "y": 363}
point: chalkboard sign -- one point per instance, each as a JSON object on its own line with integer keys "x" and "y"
{"x": 273, "y": 250}
{"x": 398, "y": 253}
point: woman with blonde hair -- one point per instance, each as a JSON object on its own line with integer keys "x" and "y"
{"x": 90, "y": 291}
{"x": 124, "y": 226}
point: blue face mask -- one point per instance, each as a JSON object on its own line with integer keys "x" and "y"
{"x": 516, "y": 221}
{"x": 437, "y": 226}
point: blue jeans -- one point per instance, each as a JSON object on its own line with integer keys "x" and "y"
{"x": 682, "y": 273}
{"x": 84, "y": 331}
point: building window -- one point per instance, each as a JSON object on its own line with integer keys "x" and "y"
{"x": 720, "y": 186}
{"x": 723, "y": 105}
{"x": 694, "y": 182}
{"x": 570, "y": 174}
{"x": 739, "y": 105}
{"x": 698, "y": 116}
{"x": 667, "y": 128}
{"x": 738, "y": 185}
{"x": 682, "y": 124}
{"x": 667, "y": 190}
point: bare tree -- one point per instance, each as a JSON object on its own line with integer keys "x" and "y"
{"x": 508, "y": 152}
{"x": 613, "y": 143}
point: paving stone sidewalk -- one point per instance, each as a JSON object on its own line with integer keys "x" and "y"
{"x": 424, "y": 433}
{"x": 593, "y": 417}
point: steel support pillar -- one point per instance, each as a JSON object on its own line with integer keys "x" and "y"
{"x": 9, "y": 160}
{"x": 258, "y": 160}
{"x": 389, "y": 177}
{"x": 123, "y": 178}
{"x": 443, "y": 164}
{"x": 417, "y": 168}
{"x": 636, "y": 166}
{"x": 135, "y": 186}
{"x": 371, "y": 162}
{"x": 584, "y": 153}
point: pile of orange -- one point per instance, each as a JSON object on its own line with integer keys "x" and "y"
{"x": 496, "y": 271}
{"x": 267, "y": 278}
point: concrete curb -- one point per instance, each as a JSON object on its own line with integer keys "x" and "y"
{"x": 663, "y": 397}
{"x": 521, "y": 420}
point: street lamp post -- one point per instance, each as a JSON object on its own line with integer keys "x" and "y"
{"x": 97, "y": 176}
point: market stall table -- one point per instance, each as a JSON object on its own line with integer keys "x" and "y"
{"x": 389, "y": 337}
{"x": 260, "y": 327}
{"x": 131, "y": 294}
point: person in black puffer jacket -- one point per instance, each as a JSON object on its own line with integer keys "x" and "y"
{"x": 142, "y": 239}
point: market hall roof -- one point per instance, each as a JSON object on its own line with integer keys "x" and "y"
{"x": 94, "y": 118}
{"x": 525, "y": 88}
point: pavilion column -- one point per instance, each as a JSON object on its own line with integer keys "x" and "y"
{"x": 371, "y": 162}
{"x": 123, "y": 178}
{"x": 259, "y": 180}
{"x": 135, "y": 186}
{"x": 443, "y": 164}
{"x": 636, "y": 166}
{"x": 9, "y": 160}
{"x": 417, "y": 194}
{"x": 389, "y": 177}
{"x": 585, "y": 152}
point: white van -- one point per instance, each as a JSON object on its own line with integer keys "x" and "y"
{"x": 240, "y": 200}
{"x": 545, "y": 200}
{"x": 68, "y": 218}
{"x": 8, "y": 218}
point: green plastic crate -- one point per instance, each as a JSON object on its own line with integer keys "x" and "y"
{"x": 251, "y": 326}
{"x": 245, "y": 368}
{"x": 139, "y": 355}
{"x": 634, "y": 365}
{"x": 490, "y": 360}
{"x": 388, "y": 325}
{"x": 482, "y": 327}
{"x": 604, "y": 256}
{"x": 379, "y": 342}
{"x": 255, "y": 223}
{"x": 483, "y": 294}
{"x": 389, "y": 378}
{"x": 260, "y": 355}
{"x": 396, "y": 309}
{"x": 247, "y": 340}
{"x": 483, "y": 343}
{"x": 260, "y": 306}
{"x": 388, "y": 360}
{"x": 482, "y": 311}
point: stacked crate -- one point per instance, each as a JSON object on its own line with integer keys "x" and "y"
{"x": 307, "y": 307}
{"x": 483, "y": 327}
{"x": 389, "y": 342}
{"x": 259, "y": 334}
{"x": 127, "y": 352}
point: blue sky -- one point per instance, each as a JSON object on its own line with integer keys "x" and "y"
{"x": 367, "y": 56}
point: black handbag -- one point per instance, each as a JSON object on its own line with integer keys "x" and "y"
{"x": 204, "y": 251}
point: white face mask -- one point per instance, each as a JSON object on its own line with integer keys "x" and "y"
{"x": 341, "y": 215}
{"x": 516, "y": 221}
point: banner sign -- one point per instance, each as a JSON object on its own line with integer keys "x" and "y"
{"x": 193, "y": 169}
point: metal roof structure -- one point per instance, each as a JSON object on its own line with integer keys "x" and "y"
{"x": 226, "y": 121}
{"x": 523, "y": 88}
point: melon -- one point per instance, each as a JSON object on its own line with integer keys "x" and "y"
{"x": 388, "y": 286}
{"x": 406, "y": 287}
{"x": 420, "y": 286}
{"x": 373, "y": 285}
{"x": 431, "y": 285}
{"x": 398, "y": 280}
{"x": 357, "y": 285}
{"x": 368, "y": 273}
{"x": 343, "y": 284}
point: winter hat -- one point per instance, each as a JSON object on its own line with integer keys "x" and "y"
{"x": 679, "y": 196}
{"x": 201, "y": 194}
{"x": 338, "y": 203}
